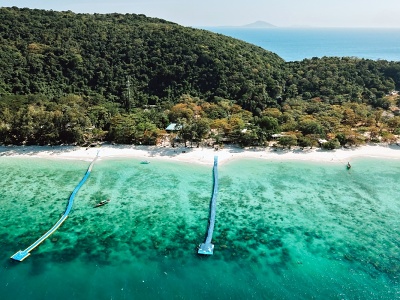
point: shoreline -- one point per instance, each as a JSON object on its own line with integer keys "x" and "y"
{"x": 201, "y": 155}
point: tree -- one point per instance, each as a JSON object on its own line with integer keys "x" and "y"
{"x": 394, "y": 125}
{"x": 181, "y": 111}
{"x": 341, "y": 138}
{"x": 201, "y": 128}
{"x": 332, "y": 144}
{"x": 247, "y": 138}
{"x": 311, "y": 126}
{"x": 122, "y": 129}
{"x": 288, "y": 141}
{"x": 268, "y": 126}
{"x": 305, "y": 141}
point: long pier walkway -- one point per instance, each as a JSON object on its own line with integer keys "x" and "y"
{"x": 206, "y": 247}
{"x": 22, "y": 254}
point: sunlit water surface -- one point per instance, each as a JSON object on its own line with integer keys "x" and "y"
{"x": 284, "y": 230}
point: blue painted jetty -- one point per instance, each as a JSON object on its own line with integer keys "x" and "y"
{"x": 207, "y": 247}
{"x": 22, "y": 254}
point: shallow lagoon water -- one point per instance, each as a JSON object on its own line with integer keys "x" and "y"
{"x": 284, "y": 230}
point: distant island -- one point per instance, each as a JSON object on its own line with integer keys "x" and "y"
{"x": 259, "y": 24}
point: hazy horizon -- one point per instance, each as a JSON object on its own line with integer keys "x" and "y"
{"x": 207, "y": 13}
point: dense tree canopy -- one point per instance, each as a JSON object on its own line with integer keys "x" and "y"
{"x": 78, "y": 78}
{"x": 59, "y": 53}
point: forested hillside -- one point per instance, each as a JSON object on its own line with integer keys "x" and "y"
{"x": 79, "y": 78}
{"x": 55, "y": 53}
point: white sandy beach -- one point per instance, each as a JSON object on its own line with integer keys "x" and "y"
{"x": 201, "y": 155}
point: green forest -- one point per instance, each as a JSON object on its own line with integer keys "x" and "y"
{"x": 68, "y": 78}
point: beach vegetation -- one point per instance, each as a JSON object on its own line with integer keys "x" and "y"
{"x": 123, "y": 78}
{"x": 306, "y": 141}
{"x": 288, "y": 141}
{"x": 331, "y": 144}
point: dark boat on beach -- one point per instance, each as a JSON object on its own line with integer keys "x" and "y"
{"x": 102, "y": 202}
{"x": 348, "y": 166}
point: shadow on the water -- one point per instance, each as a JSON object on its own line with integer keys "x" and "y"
{"x": 8, "y": 263}
{"x": 395, "y": 146}
{"x": 282, "y": 151}
{"x": 38, "y": 265}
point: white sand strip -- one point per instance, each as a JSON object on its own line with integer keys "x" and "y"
{"x": 202, "y": 155}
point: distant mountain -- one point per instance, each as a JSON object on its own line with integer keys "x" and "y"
{"x": 259, "y": 24}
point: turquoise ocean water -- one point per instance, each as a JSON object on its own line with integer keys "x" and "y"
{"x": 299, "y": 43}
{"x": 284, "y": 230}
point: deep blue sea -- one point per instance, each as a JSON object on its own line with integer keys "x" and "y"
{"x": 294, "y": 44}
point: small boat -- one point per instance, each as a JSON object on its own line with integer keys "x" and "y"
{"x": 102, "y": 202}
{"x": 348, "y": 166}
{"x": 144, "y": 162}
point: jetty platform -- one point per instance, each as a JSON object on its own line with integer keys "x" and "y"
{"x": 22, "y": 254}
{"x": 207, "y": 247}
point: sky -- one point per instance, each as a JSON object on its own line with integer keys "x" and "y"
{"x": 202, "y": 13}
